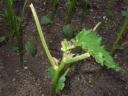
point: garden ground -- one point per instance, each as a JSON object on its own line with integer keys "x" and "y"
{"x": 86, "y": 78}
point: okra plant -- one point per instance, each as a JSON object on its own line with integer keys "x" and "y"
{"x": 86, "y": 39}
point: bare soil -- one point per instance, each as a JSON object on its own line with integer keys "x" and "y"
{"x": 86, "y": 78}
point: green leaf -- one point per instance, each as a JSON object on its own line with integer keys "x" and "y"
{"x": 30, "y": 48}
{"x": 51, "y": 72}
{"x": 89, "y": 41}
{"x": 45, "y": 20}
{"x": 61, "y": 83}
{"x": 125, "y": 13}
{"x": 68, "y": 31}
{"x": 2, "y": 39}
{"x": 109, "y": 12}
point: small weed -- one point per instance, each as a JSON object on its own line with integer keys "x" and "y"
{"x": 30, "y": 48}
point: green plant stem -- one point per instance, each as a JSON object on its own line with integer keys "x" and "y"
{"x": 10, "y": 12}
{"x": 67, "y": 71}
{"x": 20, "y": 44}
{"x": 74, "y": 59}
{"x": 70, "y": 9}
{"x": 56, "y": 78}
{"x": 120, "y": 33}
{"x": 42, "y": 36}
{"x": 61, "y": 66}
{"x": 70, "y": 60}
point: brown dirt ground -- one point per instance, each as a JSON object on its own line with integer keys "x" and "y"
{"x": 85, "y": 79}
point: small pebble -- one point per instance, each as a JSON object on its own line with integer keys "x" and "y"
{"x": 115, "y": 56}
{"x": 14, "y": 79}
{"x": 17, "y": 71}
{"x": 91, "y": 86}
{"x": 90, "y": 81}
{"x": 25, "y": 67}
{"x": 64, "y": 95}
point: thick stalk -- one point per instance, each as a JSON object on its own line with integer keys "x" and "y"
{"x": 42, "y": 36}
{"x": 120, "y": 33}
{"x": 56, "y": 78}
{"x": 70, "y": 60}
{"x": 73, "y": 60}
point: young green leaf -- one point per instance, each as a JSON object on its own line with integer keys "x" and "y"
{"x": 68, "y": 31}
{"x": 45, "y": 20}
{"x": 89, "y": 41}
{"x": 61, "y": 83}
{"x": 30, "y": 48}
{"x": 51, "y": 72}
